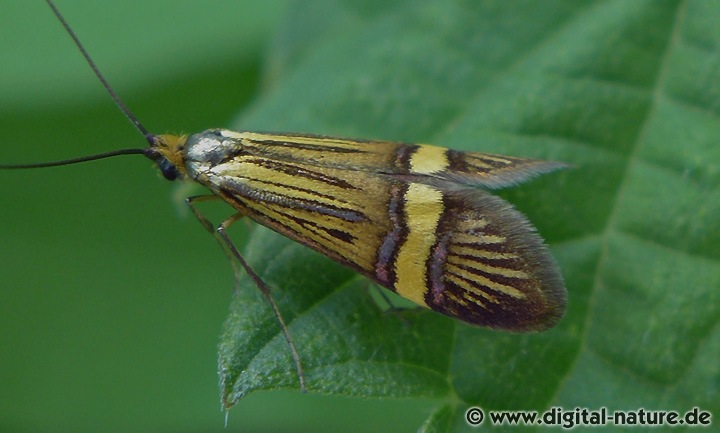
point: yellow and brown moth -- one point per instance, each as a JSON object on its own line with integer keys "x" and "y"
{"x": 414, "y": 218}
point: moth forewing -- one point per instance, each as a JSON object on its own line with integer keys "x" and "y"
{"x": 409, "y": 217}
{"x": 491, "y": 268}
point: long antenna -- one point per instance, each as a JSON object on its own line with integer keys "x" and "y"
{"x": 76, "y": 160}
{"x": 99, "y": 75}
{"x": 126, "y": 111}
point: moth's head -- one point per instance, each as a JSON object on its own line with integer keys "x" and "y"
{"x": 166, "y": 151}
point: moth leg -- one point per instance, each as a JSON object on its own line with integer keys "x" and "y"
{"x": 210, "y": 227}
{"x": 222, "y": 232}
{"x": 390, "y": 305}
{"x": 392, "y": 308}
{"x": 200, "y": 217}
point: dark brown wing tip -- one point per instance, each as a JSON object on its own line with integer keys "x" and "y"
{"x": 523, "y": 172}
{"x": 547, "y": 298}
{"x": 509, "y": 176}
{"x": 550, "y": 301}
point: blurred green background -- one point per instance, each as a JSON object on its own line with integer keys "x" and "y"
{"x": 113, "y": 297}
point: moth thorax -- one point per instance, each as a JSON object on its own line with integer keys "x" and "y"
{"x": 210, "y": 148}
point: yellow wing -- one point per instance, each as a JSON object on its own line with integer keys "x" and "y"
{"x": 406, "y": 216}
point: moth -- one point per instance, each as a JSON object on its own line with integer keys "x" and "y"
{"x": 414, "y": 218}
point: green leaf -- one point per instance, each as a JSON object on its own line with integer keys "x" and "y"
{"x": 627, "y": 92}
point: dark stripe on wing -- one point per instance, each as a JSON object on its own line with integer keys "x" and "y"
{"x": 306, "y": 146}
{"x": 239, "y": 188}
{"x": 295, "y": 170}
{"x": 387, "y": 253}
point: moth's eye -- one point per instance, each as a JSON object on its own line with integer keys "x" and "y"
{"x": 167, "y": 169}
